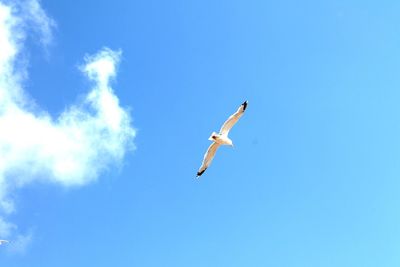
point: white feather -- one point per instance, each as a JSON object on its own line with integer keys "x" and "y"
{"x": 208, "y": 157}
{"x": 227, "y": 126}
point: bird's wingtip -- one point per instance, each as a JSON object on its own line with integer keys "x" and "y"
{"x": 245, "y": 105}
{"x": 200, "y": 173}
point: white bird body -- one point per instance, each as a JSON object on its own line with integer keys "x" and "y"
{"x": 221, "y": 138}
{"x": 4, "y": 242}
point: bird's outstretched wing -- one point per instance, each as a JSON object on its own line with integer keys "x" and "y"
{"x": 3, "y": 242}
{"x": 233, "y": 119}
{"x": 208, "y": 157}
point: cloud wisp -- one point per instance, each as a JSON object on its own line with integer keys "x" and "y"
{"x": 70, "y": 150}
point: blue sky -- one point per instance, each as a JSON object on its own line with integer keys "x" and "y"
{"x": 313, "y": 179}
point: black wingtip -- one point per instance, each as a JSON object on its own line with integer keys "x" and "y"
{"x": 245, "y": 105}
{"x": 200, "y": 173}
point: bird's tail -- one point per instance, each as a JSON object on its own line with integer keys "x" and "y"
{"x": 213, "y": 136}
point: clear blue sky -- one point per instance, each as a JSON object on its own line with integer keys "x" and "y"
{"x": 314, "y": 177}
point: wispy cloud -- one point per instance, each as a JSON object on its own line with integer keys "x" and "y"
{"x": 6, "y": 228}
{"x": 71, "y": 150}
{"x": 33, "y": 13}
{"x": 19, "y": 242}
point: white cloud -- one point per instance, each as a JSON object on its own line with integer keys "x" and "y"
{"x": 35, "y": 16}
{"x": 71, "y": 150}
{"x": 20, "y": 243}
{"x": 6, "y": 228}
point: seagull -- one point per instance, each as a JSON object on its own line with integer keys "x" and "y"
{"x": 3, "y": 242}
{"x": 221, "y": 138}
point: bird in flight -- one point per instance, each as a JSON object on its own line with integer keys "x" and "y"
{"x": 3, "y": 242}
{"x": 221, "y": 138}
